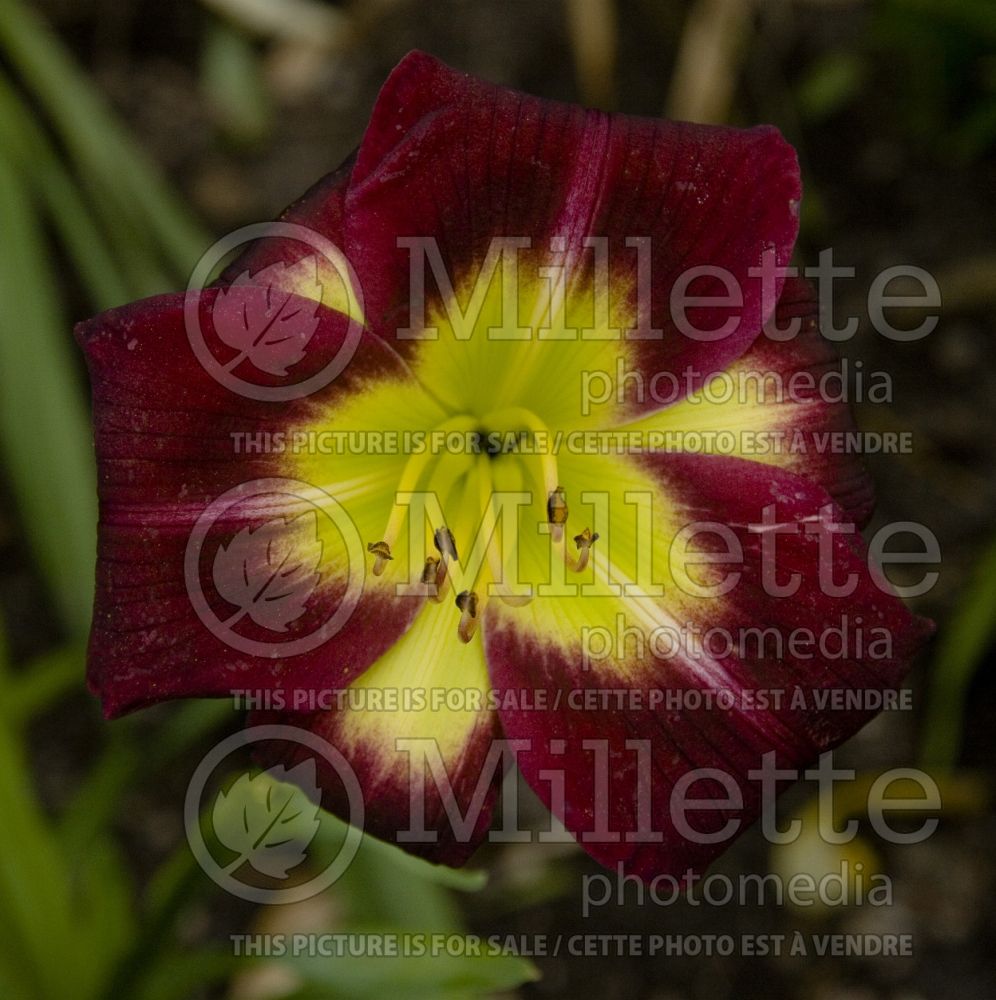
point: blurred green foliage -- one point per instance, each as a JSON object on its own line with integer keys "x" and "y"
{"x": 946, "y": 56}
{"x": 69, "y": 169}
{"x": 934, "y": 61}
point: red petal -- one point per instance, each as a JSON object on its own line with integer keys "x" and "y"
{"x": 165, "y": 452}
{"x": 463, "y": 161}
{"x": 680, "y": 736}
{"x": 779, "y": 407}
{"x": 811, "y": 424}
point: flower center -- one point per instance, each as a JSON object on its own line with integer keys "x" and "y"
{"x": 451, "y": 495}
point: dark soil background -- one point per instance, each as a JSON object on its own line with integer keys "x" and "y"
{"x": 893, "y": 109}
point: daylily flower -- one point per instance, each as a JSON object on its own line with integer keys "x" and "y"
{"x": 565, "y": 604}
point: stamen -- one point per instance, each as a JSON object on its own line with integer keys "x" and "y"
{"x": 433, "y": 579}
{"x": 382, "y": 554}
{"x": 467, "y": 603}
{"x": 445, "y": 543}
{"x": 446, "y": 547}
{"x": 584, "y": 542}
{"x": 556, "y": 512}
{"x": 430, "y": 569}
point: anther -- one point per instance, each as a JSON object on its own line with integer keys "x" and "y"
{"x": 434, "y": 578}
{"x": 584, "y": 542}
{"x": 466, "y": 601}
{"x": 556, "y": 512}
{"x": 429, "y": 569}
{"x": 382, "y": 554}
{"x": 445, "y": 544}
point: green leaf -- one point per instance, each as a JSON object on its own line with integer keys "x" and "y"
{"x": 962, "y": 644}
{"x": 473, "y": 969}
{"x": 96, "y": 140}
{"x": 104, "y": 912}
{"x": 40, "y": 942}
{"x": 42, "y": 411}
{"x": 401, "y": 863}
{"x": 178, "y": 976}
{"x": 43, "y": 681}
{"x": 175, "y": 886}
{"x": 36, "y": 160}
